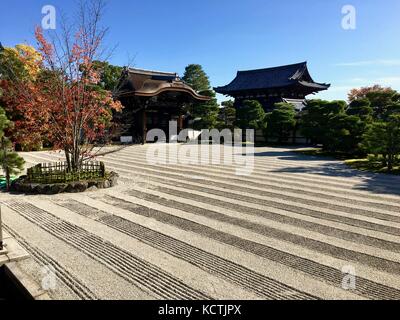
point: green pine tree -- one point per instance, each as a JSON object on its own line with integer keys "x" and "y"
{"x": 383, "y": 139}
{"x": 250, "y": 115}
{"x": 227, "y": 115}
{"x": 10, "y": 162}
{"x": 206, "y": 113}
{"x": 361, "y": 108}
{"x": 281, "y": 121}
{"x": 195, "y": 77}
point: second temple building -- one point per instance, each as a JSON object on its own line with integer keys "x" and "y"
{"x": 289, "y": 83}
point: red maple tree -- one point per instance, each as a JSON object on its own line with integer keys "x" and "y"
{"x": 362, "y": 93}
{"x": 64, "y": 104}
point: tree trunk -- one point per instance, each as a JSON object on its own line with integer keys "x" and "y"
{"x": 68, "y": 158}
{"x": 8, "y": 179}
{"x": 390, "y": 162}
{"x": 385, "y": 161}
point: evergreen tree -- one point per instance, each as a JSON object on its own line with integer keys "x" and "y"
{"x": 109, "y": 74}
{"x": 361, "y": 108}
{"x": 281, "y": 121}
{"x": 315, "y": 118}
{"x": 379, "y": 98}
{"x": 250, "y": 115}
{"x": 383, "y": 139}
{"x": 195, "y": 77}
{"x": 344, "y": 133}
{"x": 227, "y": 114}
{"x": 10, "y": 162}
{"x": 380, "y": 101}
{"x": 391, "y": 109}
{"x": 204, "y": 113}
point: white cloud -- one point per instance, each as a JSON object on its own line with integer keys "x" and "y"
{"x": 389, "y": 80}
{"x": 340, "y": 89}
{"x": 362, "y": 82}
{"x": 378, "y": 62}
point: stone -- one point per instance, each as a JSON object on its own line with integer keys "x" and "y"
{"x": 38, "y": 189}
{"x": 91, "y": 189}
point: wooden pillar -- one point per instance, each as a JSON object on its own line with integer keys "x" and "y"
{"x": 180, "y": 123}
{"x": 144, "y": 125}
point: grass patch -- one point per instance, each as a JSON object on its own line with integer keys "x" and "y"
{"x": 371, "y": 166}
{"x": 322, "y": 153}
{"x": 362, "y": 164}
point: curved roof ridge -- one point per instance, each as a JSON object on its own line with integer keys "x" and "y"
{"x": 300, "y": 64}
{"x": 146, "y": 71}
{"x": 269, "y": 78}
{"x": 149, "y": 83}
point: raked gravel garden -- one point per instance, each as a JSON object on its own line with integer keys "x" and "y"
{"x": 290, "y": 230}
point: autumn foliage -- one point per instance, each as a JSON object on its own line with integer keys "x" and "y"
{"x": 362, "y": 93}
{"x": 63, "y": 102}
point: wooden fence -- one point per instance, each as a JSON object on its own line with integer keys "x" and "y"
{"x": 58, "y": 172}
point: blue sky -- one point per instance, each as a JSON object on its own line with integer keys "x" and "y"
{"x": 229, "y": 35}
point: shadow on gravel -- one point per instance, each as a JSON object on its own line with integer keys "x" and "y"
{"x": 329, "y": 169}
{"x": 373, "y": 182}
{"x": 290, "y": 155}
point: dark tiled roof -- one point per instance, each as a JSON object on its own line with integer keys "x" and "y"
{"x": 149, "y": 83}
{"x": 282, "y": 76}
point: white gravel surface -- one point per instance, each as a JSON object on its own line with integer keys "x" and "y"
{"x": 201, "y": 232}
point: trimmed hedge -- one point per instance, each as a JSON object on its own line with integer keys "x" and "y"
{"x": 24, "y": 185}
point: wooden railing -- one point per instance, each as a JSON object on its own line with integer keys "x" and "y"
{"x": 58, "y": 172}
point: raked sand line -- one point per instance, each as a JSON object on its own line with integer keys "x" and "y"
{"x": 250, "y": 194}
{"x": 249, "y": 181}
{"x": 276, "y": 271}
{"x": 188, "y": 275}
{"x": 124, "y": 263}
{"x": 347, "y": 221}
{"x": 265, "y": 171}
{"x": 214, "y": 152}
{"x": 343, "y": 217}
{"x": 322, "y": 272}
{"x": 379, "y": 213}
{"x": 336, "y": 204}
{"x": 344, "y": 182}
{"x": 211, "y": 208}
{"x": 381, "y": 259}
{"x": 327, "y": 227}
{"x": 254, "y": 179}
{"x": 267, "y": 162}
{"x": 104, "y": 282}
{"x": 336, "y": 216}
{"x": 73, "y": 283}
{"x": 346, "y": 217}
{"x": 220, "y": 179}
{"x": 267, "y": 206}
{"x": 261, "y": 285}
{"x": 246, "y": 234}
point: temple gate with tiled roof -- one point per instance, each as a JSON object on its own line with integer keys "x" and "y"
{"x": 289, "y": 83}
{"x": 152, "y": 99}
